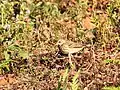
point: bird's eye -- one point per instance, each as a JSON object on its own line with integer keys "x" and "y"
{"x": 59, "y": 41}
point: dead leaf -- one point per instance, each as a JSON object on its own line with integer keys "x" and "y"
{"x": 3, "y": 81}
{"x": 36, "y": 52}
{"x": 86, "y": 51}
{"x": 7, "y": 79}
{"x": 86, "y": 23}
{"x": 12, "y": 80}
{"x": 103, "y": 18}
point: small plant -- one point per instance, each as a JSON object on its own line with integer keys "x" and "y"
{"x": 75, "y": 82}
{"x": 111, "y": 88}
{"x": 10, "y": 53}
{"x": 6, "y": 62}
{"x": 63, "y": 83}
{"x": 107, "y": 61}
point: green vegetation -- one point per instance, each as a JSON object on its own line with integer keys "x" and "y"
{"x": 63, "y": 81}
{"x": 111, "y": 88}
{"x": 29, "y": 30}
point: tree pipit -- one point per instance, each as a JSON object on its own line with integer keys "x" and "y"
{"x": 68, "y": 47}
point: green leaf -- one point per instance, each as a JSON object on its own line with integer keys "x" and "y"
{"x": 1, "y": 39}
{"x": 5, "y": 63}
{"x": 7, "y": 56}
{"x": 112, "y": 61}
{"x": 59, "y": 84}
{"x": 65, "y": 79}
{"x": 7, "y": 67}
{"x": 108, "y": 61}
{"x": 14, "y": 48}
{"x": 74, "y": 84}
{"x": 23, "y": 54}
{"x": 111, "y": 88}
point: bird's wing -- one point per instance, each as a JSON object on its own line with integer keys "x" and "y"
{"x": 74, "y": 50}
{"x": 73, "y": 45}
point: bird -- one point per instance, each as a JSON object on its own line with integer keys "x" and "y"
{"x": 68, "y": 47}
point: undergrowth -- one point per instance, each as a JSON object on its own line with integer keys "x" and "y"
{"x": 27, "y": 26}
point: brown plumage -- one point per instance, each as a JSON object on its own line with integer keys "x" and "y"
{"x": 68, "y": 47}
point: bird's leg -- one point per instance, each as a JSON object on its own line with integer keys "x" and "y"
{"x": 70, "y": 61}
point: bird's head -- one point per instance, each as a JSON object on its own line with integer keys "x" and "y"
{"x": 60, "y": 42}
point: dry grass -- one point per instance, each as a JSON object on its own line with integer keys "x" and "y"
{"x": 29, "y": 31}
